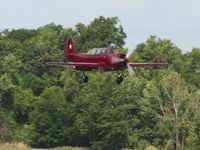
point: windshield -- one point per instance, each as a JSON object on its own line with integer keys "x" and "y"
{"x": 98, "y": 51}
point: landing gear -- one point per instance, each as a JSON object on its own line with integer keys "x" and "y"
{"x": 85, "y": 78}
{"x": 120, "y": 78}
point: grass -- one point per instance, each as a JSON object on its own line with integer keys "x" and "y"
{"x": 20, "y": 146}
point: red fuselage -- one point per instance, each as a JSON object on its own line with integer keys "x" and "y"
{"x": 106, "y": 60}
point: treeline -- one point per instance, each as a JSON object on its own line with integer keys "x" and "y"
{"x": 49, "y": 106}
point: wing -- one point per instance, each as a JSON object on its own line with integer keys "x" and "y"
{"x": 76, "y": 64}
{"x": 146, "y": 64}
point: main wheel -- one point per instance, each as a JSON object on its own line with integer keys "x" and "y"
{"x": 85, "y": 79}
{"x": 119, "y": 79}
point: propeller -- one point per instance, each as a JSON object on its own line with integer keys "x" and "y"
{"x": 131, "y": 72}
{"x": 130, "y": 51}
{"x": 117, "y": 60}
{"x": 130, "y": 69}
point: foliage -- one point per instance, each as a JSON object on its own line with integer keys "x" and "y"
{"x": 102, "y": 32}
{"x": 48, "y": 106}
{"x": 49, "y": 119}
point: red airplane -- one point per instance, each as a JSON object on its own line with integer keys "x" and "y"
{"x": 104, "y": 59}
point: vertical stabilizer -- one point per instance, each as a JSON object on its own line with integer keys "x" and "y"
{"x": 69, "y": 47}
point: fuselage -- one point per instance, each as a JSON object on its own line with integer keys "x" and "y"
{"x": 106, "y": 59}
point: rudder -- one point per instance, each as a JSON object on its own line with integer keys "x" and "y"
{"x": 69, "y": 48}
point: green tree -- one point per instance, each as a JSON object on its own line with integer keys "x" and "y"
{"x": 21, "y": 34}
{"x": 191, "y": 67}
{"x": 174, "y": 114}
{"x": 8, "y": 46}
{"x": 7, "y": 123}
{"x": 157, "y": 50}
{"x": 192, "y": 139}
{"x": 102, "y": 32}
{"x": 99, "y": 117}
{"x": 23, "y": 100}
{"x": 49, "y": 119}
{"x": 9, "y": 79}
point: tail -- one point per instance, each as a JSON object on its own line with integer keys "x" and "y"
{"x": 69, "y": 48}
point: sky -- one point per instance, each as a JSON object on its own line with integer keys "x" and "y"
{"x": 177, "y": 20}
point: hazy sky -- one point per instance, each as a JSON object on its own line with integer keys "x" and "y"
{"x": 177, "y": 20}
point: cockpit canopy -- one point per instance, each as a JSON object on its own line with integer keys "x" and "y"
{"x": 99, "y": 51}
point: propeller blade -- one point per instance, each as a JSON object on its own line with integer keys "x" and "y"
{"x": 130, "y": 70}
{"x": 130, "y": 51}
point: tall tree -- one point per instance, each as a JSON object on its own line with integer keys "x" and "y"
{"x": 49, "y": 119}
{"x": 157, "y": 50}
{"x": 174, "y": 107}
{"x": 191, "y": 67}
{"x": 102, "y": 32}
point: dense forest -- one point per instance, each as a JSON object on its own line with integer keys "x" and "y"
{"x": 45, "y": 106}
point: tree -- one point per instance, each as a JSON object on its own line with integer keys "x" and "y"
{"x": 37, "y": 49}
{"x": 49, "y": 119}
{"x": 21, "y": 34}
{"x": 23, "y": 100}
{"x": 102, "y": 32}
{"x": 11, "y": 65}
{"x": 191, "y": 67}
{"x": 7, "y": 123}
{"x": 157, "y": 50}
{"x": 8, "y": 46}
{"x": 192, "y": 139}
{"x": 173, "y": 108}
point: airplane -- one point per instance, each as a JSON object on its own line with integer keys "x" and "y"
{"x": 103, "y": 59}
